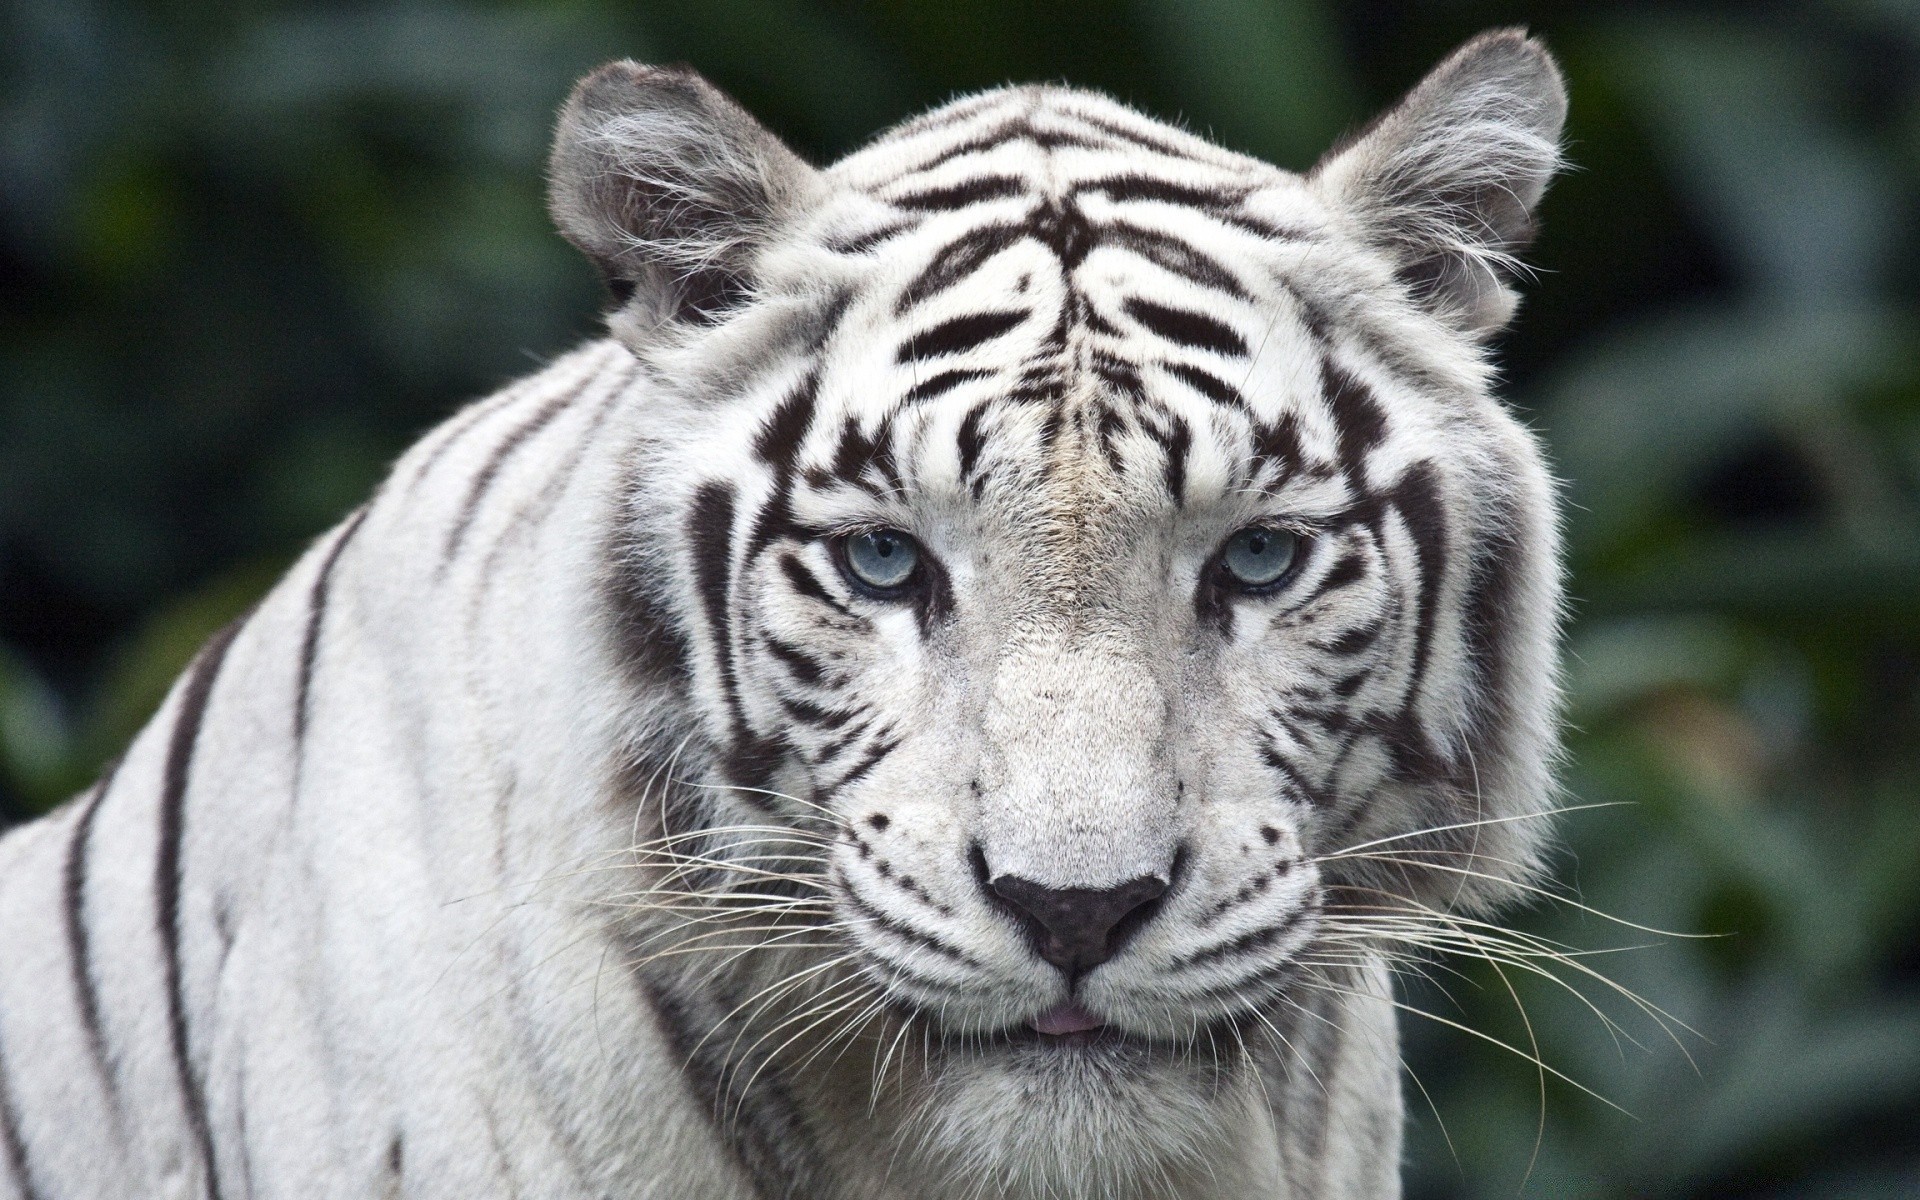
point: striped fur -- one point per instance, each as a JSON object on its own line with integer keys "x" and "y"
{"x": 569, "y": 823}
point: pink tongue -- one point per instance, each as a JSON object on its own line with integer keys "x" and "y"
{"x": 1065, "y": 1018}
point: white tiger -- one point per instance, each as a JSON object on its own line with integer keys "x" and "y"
{"x": 960, "y": 696}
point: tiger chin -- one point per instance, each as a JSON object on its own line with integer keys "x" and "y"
{"x": 965, "y": 693}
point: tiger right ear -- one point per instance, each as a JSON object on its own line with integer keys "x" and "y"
{"x": 1446, "y": 180}
{"x": 670, "y": 188}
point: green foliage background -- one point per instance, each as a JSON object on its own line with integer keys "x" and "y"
{"x": 247, "y": 257}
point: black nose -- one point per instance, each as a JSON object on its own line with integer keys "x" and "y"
{"x": 1077, "y": 929}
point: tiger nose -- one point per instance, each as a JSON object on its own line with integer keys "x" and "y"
{"x": 1077, "y": 929}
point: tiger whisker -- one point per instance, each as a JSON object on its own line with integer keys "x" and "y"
{"x": 1432, "y": 829}
{"x": 1447, "y": 932}
{"x": 1486, "y": 1037}
{"x": 829, "y": 1005}
{"x": 779, "y": 987}
{"x": 1545, "y": 894}
{"x": 821, "y": 809}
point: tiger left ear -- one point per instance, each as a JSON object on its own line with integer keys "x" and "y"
{"x": 1447, "y": 180}
{"x": 670, "y": 188}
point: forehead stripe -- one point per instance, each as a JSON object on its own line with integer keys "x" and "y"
{"x": 1187, "y": 328}
{"x": 1208, "y": 384}
{"x": 959, "y": 335}
{"x": 1171, "y": 254}
{"x": 974, "y": 191}
{"x": 941, "y": 384}
{"x": 1359, "y": 421}
{"x": 956, "y": 261}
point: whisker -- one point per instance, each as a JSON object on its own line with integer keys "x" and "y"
{"x": 1486, "y": 1037}
{"x": 1546, "y": 894}
{"x": 1532, "y": 816}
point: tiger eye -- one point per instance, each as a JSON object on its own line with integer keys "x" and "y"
{"x": 1259, "y": 555}
{"x": 881, "y": 561}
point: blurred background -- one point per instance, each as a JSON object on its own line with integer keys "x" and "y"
{"x": 246, "y": 258}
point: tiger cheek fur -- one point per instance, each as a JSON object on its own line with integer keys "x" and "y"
{"x": 952, "y": 699}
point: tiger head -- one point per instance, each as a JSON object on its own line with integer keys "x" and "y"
{"x": 1102, "y": 549}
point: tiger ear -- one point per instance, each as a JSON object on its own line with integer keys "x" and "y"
{"x": 670, "y": 188}
{"x": 1447, "y": 179}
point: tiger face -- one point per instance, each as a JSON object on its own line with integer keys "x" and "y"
{"x": 1106, "y": 545}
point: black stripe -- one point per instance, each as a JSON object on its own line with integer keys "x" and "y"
{"x": 774, "y": 520}
{"x": 1017, "y": 129}
{"x": 817, "y": 715}
{"x": 316, "y": 620}
{"x": 1207, "y": 384}
{"x": 1279, "y": 444}
{"x": 1314, "y": 795}
{"x": 1177, "y": 439}
{"x": 1417, "y": 499}
{"x": 971, "y": 439}
{"x": 900, "y": 929}
{"x": 1495, "y": 591}
{"x": 650, "y": 645}
{"x": 459, "y": 426}
{"x": 13, "y": 1143}
{"x": 1259, "y": 939}
{"x": 958, "y": 335}
{"x": 1360, "y": 423}
{"x": 959, "y": 112}
{"x": 542, "y": 502}
{"x": 803, "y": 666}
{"x": 857, "y": 454}
{"x": 1108, "y": 428}
{"x": 973, "y": 191}
{"x": 1121, "y": 376}
{"x": 779, "y": 440}
{"x": 73, "y": 889}
{"x": 1064, "y": 229}
{"x": 860, "y": 243}
{"x": 992, "y": 139}
{"x": 1346, "y": 687}
{"x": 956, "y": 261}
{"x": 939, "y": 385}
{"x": 1186, "y": 328}
{"x": 805, "y": 583}
{"x": 880, "y": 750}
{"x": 710, "y": 540}
{"x": 167, "y": 878}
{"x": 1136, "y": 137}
{"x": 1171, "y": 254}
{"x": 1354, "y": 640}
{"x": 763, "y": 1129}
{"x": 1350, "y": 567}
{"x": 490, "y": 469}
{"x": 852, "y": 734}
{"x": 1125, "y": 188}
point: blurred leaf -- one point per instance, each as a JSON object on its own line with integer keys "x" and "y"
{"x": 145, "y": 668}
{"x": 1792, "y": 1073}
{"x": 1634, "y": 416}
{"x": 1617, "y": 662}
{"x": 1811, "y": 211}
{"x": 1808, "y": 573}
{"x": 35, "y": 740}
{"x": 1263, "y": 76}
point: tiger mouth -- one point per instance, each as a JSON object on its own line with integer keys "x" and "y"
{"x": 1092, "y": 1035}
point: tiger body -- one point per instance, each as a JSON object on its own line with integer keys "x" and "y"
{"x": 570, "y": 822}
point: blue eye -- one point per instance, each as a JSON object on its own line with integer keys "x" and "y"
{"x": 1259, "y": 555}
{"x": 881, "y": 560}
